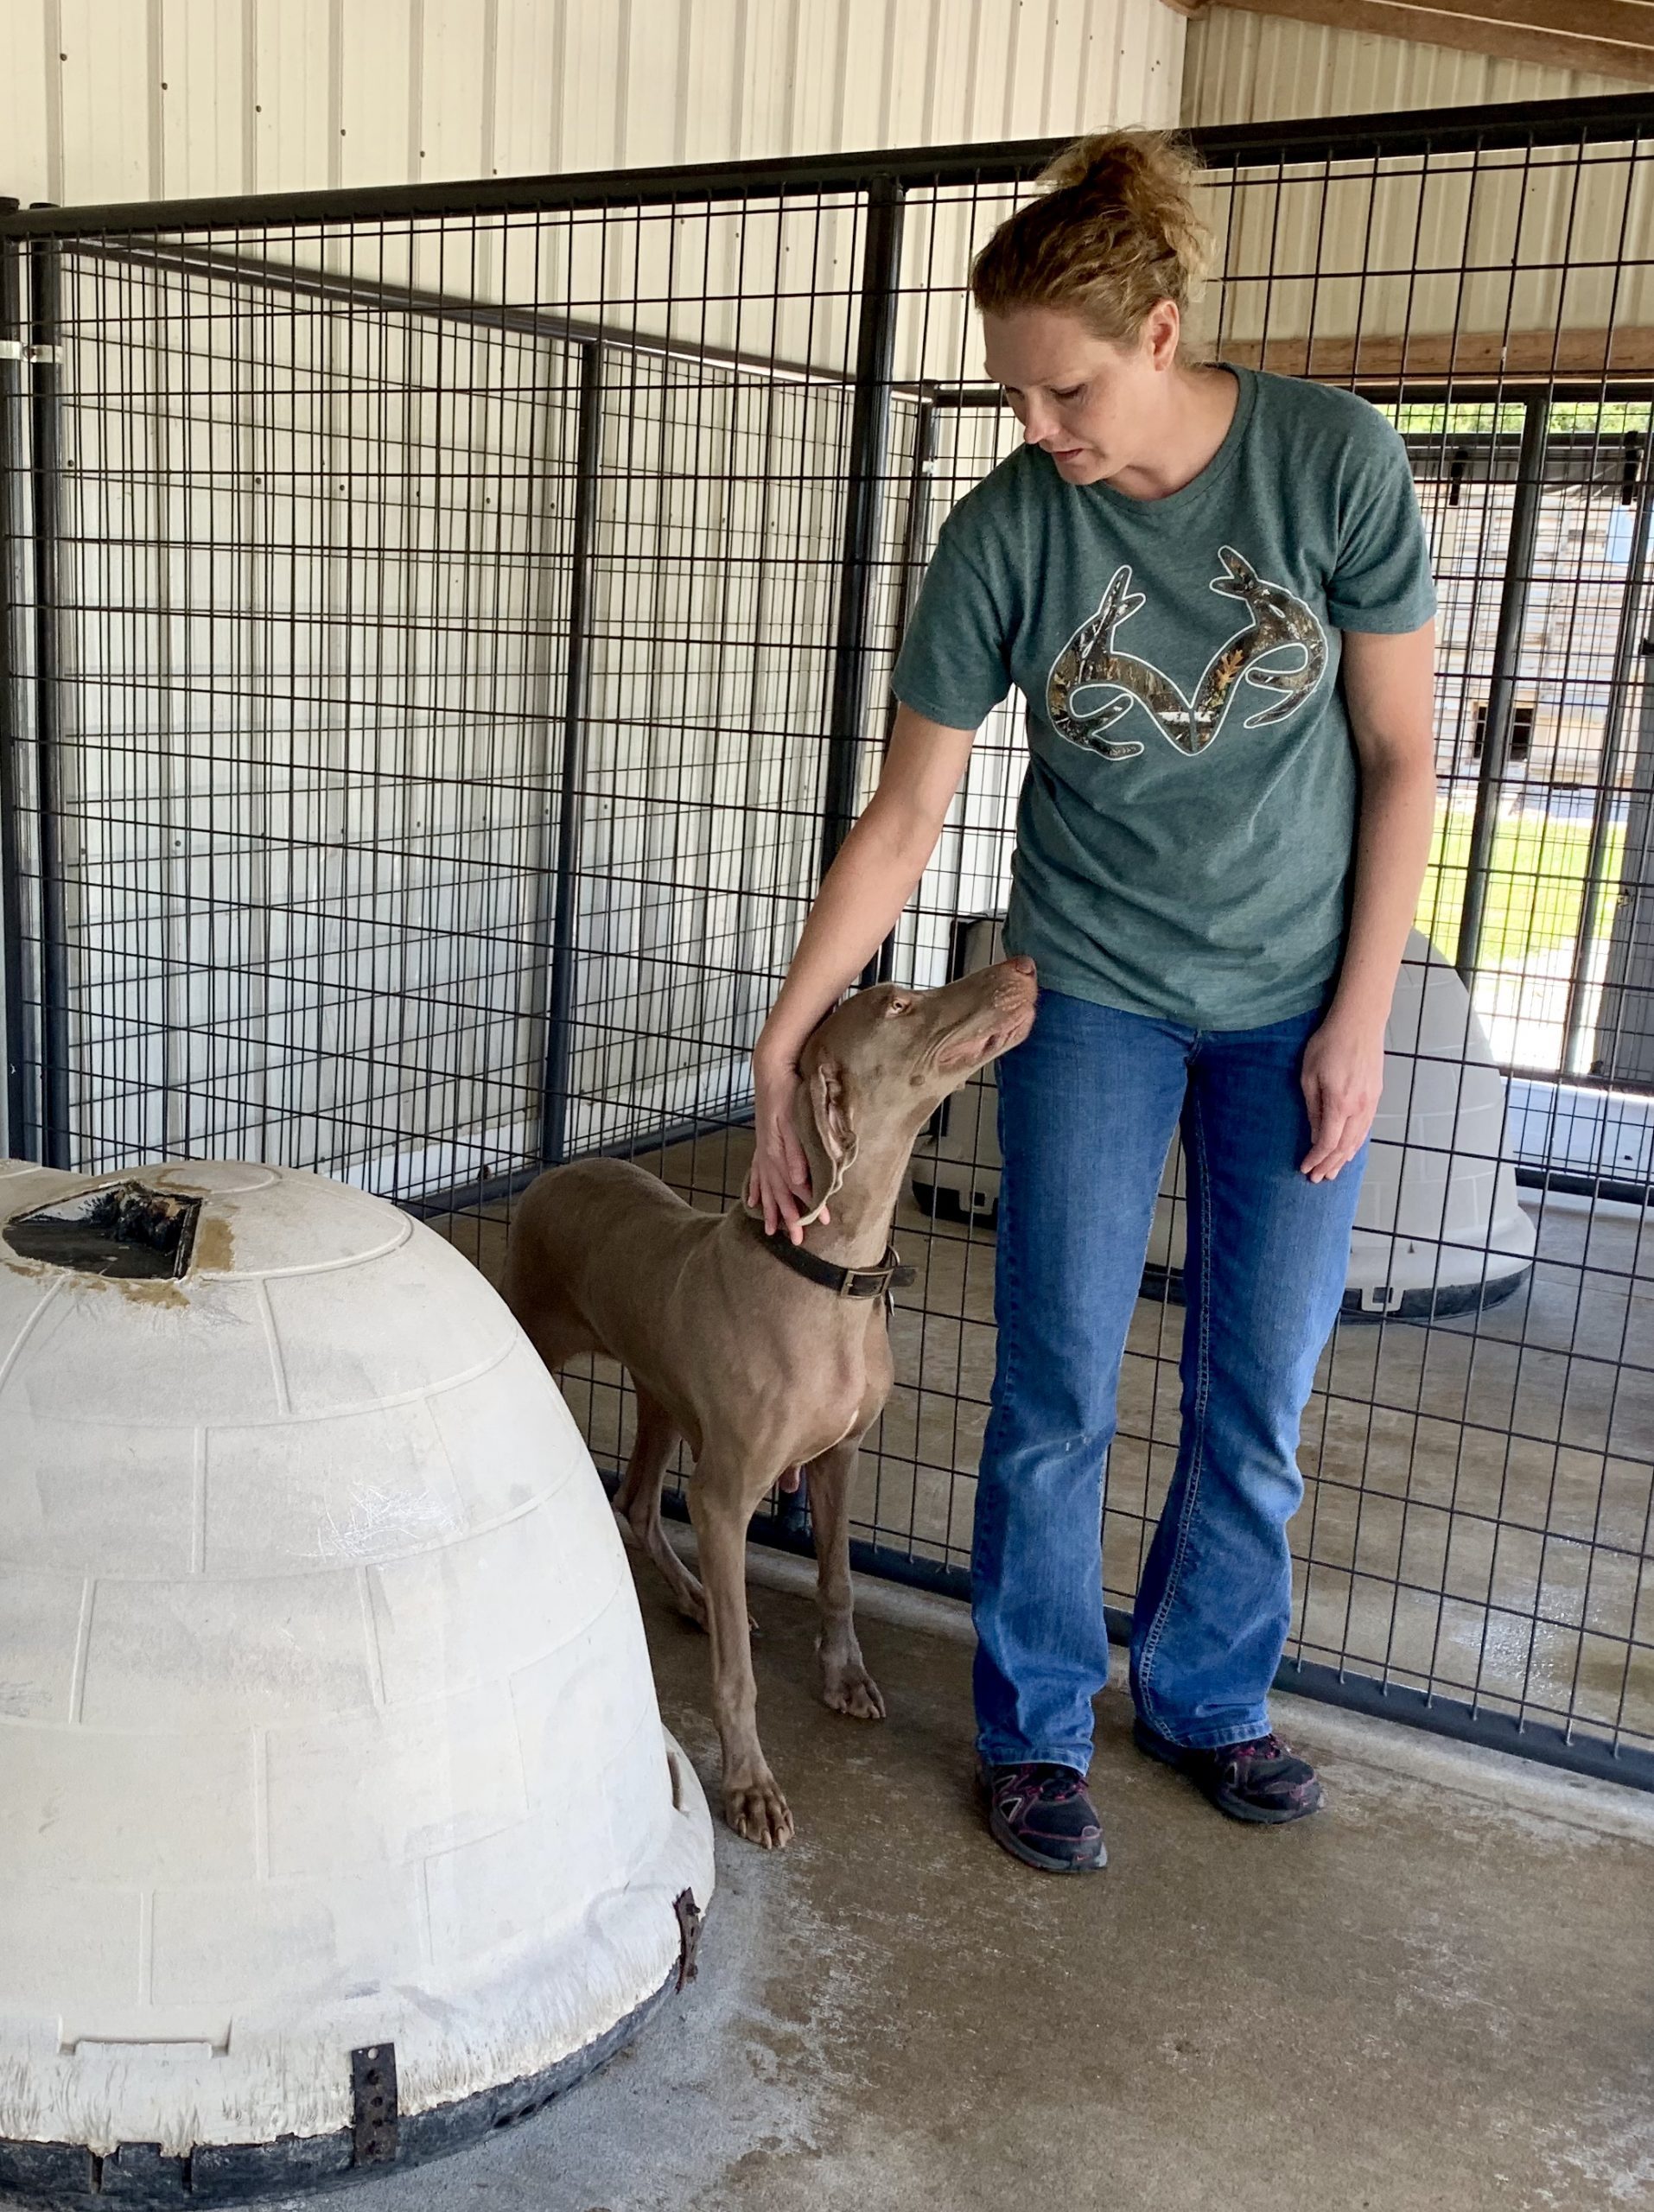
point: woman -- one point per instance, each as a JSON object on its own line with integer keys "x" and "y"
{"x": 1213, "y": 587}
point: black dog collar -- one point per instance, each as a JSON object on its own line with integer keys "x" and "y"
{"x": 844, "y": 1282}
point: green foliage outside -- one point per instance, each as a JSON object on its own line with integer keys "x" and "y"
{"x": 1591, "y": 418}
{"x": 1535, "y": 886}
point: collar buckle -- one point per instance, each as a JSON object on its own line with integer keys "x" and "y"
{"x": 844, "y": 1282}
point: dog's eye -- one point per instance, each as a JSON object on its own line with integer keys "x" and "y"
{"x": 897, "y": 1006}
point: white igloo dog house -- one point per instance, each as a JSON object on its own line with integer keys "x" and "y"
{"x": 1438, "y": 1229}
{"x": 337, "y": 1821}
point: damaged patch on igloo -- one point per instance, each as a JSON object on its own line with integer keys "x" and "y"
{"x": 123, "y": 1230}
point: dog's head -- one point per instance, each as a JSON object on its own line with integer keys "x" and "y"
{"x": 887, "y": 1058}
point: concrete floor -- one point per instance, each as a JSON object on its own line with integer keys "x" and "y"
{"x": 1436, "y": 1994}
{"x": 1479, "y": 1491}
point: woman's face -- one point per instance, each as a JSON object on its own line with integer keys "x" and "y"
{"x": 1095, "y": 407}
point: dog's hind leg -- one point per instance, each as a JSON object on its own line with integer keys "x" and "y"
{"x": 846, "y": 1684}
{"x": 637, "y": 1502}
{"x": 721, "y": 1505}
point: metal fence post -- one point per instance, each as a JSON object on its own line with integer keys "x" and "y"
{"x": 1624, "y": 1053}
{"x": 863, "y": 503}
{"x": 880, "y": 968}
{"x": 1501, "y": 691}
{"x": 45, "y": 469}
{"x": 559, "y": 1031}
{"x": 1627, "y": 642}
{"x": 21, "y": 1112}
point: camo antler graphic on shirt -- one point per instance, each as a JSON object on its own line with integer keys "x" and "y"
{"x": 1280, "y": 622}
{"x": 1089, "y": 658}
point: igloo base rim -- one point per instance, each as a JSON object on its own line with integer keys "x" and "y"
{"x": 1440, "y": 1303}
{"x": 59, "y": 2174}
{"x": 176, "y": 2148}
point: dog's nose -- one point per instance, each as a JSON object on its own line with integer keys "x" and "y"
{"x": 1021, "y": 962}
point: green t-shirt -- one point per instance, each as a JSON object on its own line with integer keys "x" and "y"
{"x": 1187, "y": 824}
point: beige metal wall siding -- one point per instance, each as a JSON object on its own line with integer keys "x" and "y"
{"x": 1472, "y": 252}
{"x": 1246, "y": 69}
{"x": 125, "y": 100}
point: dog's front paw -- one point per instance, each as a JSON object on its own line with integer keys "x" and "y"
{"x": 849, "y": 1688}
{"x": 758, "y": 1811}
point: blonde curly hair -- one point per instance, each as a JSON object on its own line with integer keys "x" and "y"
{"x": 1114, "y": 230}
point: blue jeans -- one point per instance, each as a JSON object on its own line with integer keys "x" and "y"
{"x": 1087, "y": 1107}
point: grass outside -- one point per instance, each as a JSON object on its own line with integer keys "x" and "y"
{"x": 1535, "y": 886}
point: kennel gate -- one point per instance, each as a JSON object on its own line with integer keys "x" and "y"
{"x": 446, "y": 631}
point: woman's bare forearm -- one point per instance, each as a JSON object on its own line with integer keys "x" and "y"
{"x": 856, "y": 908}
{"x": 1389, "y": 685}
{"x": 870, "y": 881}
{"x": 1392, "y": 850}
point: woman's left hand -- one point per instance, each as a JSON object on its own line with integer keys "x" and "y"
{"x": 1342, "y": 1074}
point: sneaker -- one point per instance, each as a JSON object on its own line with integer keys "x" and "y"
{"x": 1259, "y": 1780}
{"x": 1043, "y": 1815}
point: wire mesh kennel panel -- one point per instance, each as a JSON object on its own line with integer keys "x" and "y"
{"x": 451, "y": 629}
{"x": 309, "y": 557}
{"x": 714, "y": 567}
{"x": 337, "y": 519}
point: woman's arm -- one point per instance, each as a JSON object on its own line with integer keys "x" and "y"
{"x": 1388, "y": 686}
{"x": 860, "y": 897}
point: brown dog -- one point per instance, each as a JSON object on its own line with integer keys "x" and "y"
{"x": 759, "y": 1368}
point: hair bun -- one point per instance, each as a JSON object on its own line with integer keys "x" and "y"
{"x": 1103, "y": 163}
{"x": 1142, "y": 173}
{"x": 1114, "y": 227}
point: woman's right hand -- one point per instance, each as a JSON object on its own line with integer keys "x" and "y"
{"x": 778, "y": 1181}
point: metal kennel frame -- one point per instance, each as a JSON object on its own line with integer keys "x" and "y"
{"x": 446, "y": 631}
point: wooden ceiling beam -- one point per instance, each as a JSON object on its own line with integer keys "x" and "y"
{"x": 1608, "y": 38}
{"x": 1457, "y": 357}
{"x": 1620, "y": 22}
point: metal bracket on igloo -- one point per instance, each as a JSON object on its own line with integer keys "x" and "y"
{"x": 123, "y": 1229}
{"x": 373, "y": 2104}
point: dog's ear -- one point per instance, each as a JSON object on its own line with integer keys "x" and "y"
{"x": 835, "y": 1125}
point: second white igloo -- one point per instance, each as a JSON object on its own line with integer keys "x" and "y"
{"x": 1439, "y": 1230}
